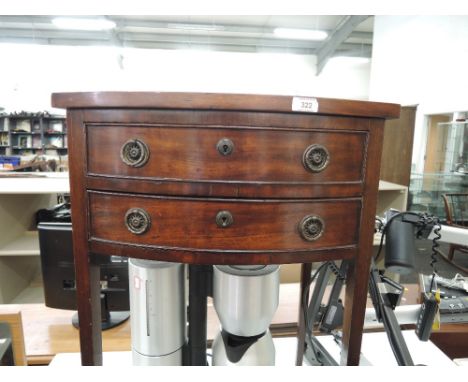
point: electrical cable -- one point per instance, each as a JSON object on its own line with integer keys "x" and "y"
{"x": 431, "y": 220}
{"x": 435, "y": 248}
{"x": 381, "y": 224}
{"x": 379, "y": 220}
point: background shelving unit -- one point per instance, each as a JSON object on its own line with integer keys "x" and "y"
{"x": 21, "y": 196}
{"x": 32, "y": 133}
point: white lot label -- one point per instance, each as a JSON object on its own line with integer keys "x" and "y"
{"x": 307, "y": 104}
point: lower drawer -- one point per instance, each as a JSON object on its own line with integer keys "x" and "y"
{"x": 223, "y": 225}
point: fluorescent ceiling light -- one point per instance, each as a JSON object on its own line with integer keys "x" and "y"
{"x": 203, "y": 27}
{"x": 85, "y": 24}
{"x": 300, "y": 34}
{"x": 350, "y": 60}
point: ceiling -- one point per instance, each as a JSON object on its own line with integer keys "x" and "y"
{"x": 347, "y": 35}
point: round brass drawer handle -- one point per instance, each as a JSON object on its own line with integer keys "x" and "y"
{"x": 316, "y": 158}
{"x": 311, "y": 227}
{"x": 224, "y": 219}
{"x": 225, "y": 146}
{"x": 137, "y": 221}
{"x": 134, "y": 153}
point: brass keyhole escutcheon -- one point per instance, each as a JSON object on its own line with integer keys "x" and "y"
{"x": 137, "y": 221}
{"x": 134, "y": 153}
{"x": 225, "y": 146}
{"x": 316, "y": 158}
{"x": 311, "y": 227}
{"x": 224, "y": 219}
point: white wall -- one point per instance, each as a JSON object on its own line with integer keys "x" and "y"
{"x": 421, "y": 60}
{"x": 30, "y": 73}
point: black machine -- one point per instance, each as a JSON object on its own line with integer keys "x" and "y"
{"x": 400, "y": 229}
{"x": 58, "y": 272}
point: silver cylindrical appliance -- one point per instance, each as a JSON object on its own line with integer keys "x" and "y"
{"x": 157, "y": 312}
{"x": 245, "y": 299}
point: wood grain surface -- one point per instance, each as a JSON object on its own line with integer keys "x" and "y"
{"x": 190, "y": 224}
{"x": 49, "y": 331}
{"x": 211, "y": 101}
{"x": 357, "y": 279}
{"x": 88, "y": 288}
{"x": 397, "y": 150}
{"x": 181, "y": 130}
{"x": 258, "y": 155}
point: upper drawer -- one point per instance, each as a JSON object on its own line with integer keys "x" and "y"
{"x": 241, "y": 155}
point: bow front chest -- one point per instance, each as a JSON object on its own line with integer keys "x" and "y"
{"x": 223, "y": 179}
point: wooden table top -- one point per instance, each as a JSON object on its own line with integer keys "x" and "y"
{"x": 213, "y": 101}
{"x": 49, "y": 331}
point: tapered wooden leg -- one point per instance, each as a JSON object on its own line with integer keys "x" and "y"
{"x": 86, "y": 273}
{"x": 89, "y": 310}
{"x": 357, "y": 281}
{"x": 354, "y": 312}
{"x": 306, "y": 269}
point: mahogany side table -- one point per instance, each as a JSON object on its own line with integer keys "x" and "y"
{"x": 223, "y": 179}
